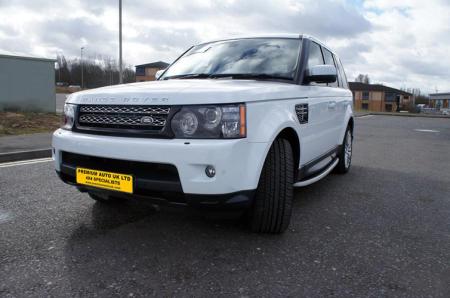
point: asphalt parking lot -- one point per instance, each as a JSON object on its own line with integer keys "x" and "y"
{"x": 383, "y": 230}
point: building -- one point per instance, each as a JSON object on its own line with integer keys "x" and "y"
{"x": 440, "y": 100}
{"x": 146, "y": 72}
{"x": 380, "y": 98}
{"x": 27, "y": 83}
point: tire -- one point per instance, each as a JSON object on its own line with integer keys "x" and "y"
{"x": 345, "y": 153}
{"x": 272, "y": 208}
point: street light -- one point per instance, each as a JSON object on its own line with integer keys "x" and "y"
{"x": 120, "y": 43}
{"x": 81, "y": 62}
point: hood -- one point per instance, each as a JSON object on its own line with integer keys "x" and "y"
{"x": 191, "y": 91}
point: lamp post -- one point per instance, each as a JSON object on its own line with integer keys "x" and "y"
{"x": 81, "y": 62}
{"x": 120, "y": 43}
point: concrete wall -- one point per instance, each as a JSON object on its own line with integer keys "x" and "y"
{"x": 27, "y": 84}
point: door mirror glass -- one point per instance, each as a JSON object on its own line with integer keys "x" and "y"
{"x": 321, "y": 74}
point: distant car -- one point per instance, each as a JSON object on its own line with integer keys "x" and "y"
{"x": 231, "y": 124}
{"x": 421, "y": 106}
{"x": 61, "y": 84}
{"x": 445, "y": 112}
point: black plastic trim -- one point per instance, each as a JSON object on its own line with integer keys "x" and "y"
{"x": 161, "y": 194}
{"x": 305, "y": 172}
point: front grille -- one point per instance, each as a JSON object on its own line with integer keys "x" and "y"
{"x": 125, "y": 109}
{"x": 144, "y": 170}
{"x": 124, "y": 119}
{"x": 149, "y": 178}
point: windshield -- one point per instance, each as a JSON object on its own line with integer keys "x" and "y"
{"x": 243, "y": 58}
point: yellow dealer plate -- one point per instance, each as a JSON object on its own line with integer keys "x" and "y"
{"x": 106, "y": 180}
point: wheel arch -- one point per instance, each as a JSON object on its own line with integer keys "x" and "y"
{"x": 290, "y": 134}
{"x": 351, "y": 123}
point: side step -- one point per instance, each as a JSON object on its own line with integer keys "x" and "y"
{"x": 319, "y": 176}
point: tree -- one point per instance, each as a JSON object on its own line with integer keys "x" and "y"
{"x": 363, "y": 78}
{"x": 97, "y": 72}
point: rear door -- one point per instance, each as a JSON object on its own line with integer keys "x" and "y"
{"x": 343, "y": 100}
{"x": 336, "y": 107}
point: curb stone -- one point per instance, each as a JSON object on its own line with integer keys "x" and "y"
{"x": 24, "y": 155}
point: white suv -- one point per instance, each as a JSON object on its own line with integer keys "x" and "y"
{"x": 234, "y": 123}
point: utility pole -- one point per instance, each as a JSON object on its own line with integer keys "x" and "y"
{"x": 120, "y": 43}
{"x": 81, "y": 62}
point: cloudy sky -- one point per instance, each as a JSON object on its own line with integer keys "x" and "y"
{"x": 402, "y": 43}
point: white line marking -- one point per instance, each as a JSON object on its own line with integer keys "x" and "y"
{"x": 365, "y": 116}
{"x": 426, "y": 130}
{"x": 25, "y": 162}
{"x": 5, "y": 216}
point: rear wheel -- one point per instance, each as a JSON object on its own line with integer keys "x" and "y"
{"x": 345, "y": 154}
{"x": 271, "y": 212}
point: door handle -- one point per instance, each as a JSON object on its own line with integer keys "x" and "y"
{"x": 331, "y": 105}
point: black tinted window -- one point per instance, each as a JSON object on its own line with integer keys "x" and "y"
{"x": 315, "y": 55}
{"x": 365, "y": 95}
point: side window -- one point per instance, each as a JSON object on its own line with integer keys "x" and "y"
{"x": 342, "y": 75}
{"x": 315, "y": 55}
{"x": 315, "y": 58}
{"x": 340, "y": 81}
{"x": 330, "y": 61}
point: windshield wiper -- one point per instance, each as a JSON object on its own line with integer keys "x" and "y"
{"x": 242, "y": 76}
{"x": 189, "y": 76}
{"x": 250, "y": 76}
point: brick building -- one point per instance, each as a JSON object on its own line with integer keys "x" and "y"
{"x": 379, "y": 98}
{"x": 146, "y": 72}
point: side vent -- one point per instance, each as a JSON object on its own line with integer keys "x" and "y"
{"x": 302, "y": 113}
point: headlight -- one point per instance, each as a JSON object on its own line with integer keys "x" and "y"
{"x": 210, "y": 121}
{"x": 69, "y": 116}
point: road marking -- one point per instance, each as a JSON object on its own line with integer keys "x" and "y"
{"x": 4, "y": 216}
{"x": 365, "y": 116}
{"x": 426, "y": 130}
{"x": 25, "y": 162}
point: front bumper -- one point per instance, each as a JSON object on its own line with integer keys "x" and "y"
{"x": 238, "y": 164}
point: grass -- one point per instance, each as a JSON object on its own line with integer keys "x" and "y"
{"x": 67, "y": 90}
{"x": 15, "y": 123}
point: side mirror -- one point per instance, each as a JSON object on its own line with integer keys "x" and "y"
{"x": 159, "y": 73}
{"x": 321, "y": 74}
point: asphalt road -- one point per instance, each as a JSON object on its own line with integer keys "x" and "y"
{"x": 383, "y": 230}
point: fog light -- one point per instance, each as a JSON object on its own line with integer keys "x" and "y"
{"x": 210, "y": 171}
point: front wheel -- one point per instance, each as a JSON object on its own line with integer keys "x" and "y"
{"x": 271, "y": 212}
{"x": 345, "y": 153}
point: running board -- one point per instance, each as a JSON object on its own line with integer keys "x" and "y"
{"x": 318, "y": 177}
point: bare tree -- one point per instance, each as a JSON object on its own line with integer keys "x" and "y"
{"x": 98, "y": 71}
{"x": 363, "y": 78}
